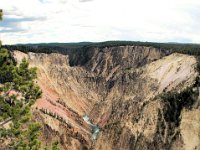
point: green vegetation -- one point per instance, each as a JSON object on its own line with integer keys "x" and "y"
{"x": 6, "y": 66}
{"x": 192, "y": 49}
{"x": 1, "y": 17}
{"x": 175, "y": 102}
{"x": 1, "y": 14}
{"x": 17, "y": 93}
{"x": 56, "y": 146}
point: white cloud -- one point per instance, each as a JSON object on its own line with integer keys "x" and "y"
{"x": 99, "y": 20}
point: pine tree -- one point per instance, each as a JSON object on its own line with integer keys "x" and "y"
{"x": 1, "y": 14}
{"x": 1, "y": 17}
{"x": 18, "y": 79}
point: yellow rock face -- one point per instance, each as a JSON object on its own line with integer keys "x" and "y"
{"x": 190, "y": 129}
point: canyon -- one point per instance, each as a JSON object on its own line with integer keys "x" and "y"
{"x": 119, "y": 89}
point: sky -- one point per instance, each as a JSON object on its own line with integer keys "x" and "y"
{"x": 45, "y": 21}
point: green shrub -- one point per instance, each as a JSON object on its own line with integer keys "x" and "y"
{"x": 56, "y": 145}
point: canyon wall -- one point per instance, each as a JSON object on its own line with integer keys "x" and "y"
{"x": 119, "y": 88}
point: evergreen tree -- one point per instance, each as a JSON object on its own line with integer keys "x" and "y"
{"x": 1, "y": 14}
{"x": 19, "y": 80}
{"x": 1, "y": 17}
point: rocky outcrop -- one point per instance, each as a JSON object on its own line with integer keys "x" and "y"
{"x": 118, "y": 88}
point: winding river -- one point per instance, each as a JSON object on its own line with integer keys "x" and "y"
{"x": 95, "y": 128}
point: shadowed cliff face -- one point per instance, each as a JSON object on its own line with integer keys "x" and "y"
{"x": 118, "y": 89}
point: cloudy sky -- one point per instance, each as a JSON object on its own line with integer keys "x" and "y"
{"x": 38, "y": 21}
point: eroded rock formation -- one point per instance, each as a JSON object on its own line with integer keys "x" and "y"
{"x": 118, "y": 88}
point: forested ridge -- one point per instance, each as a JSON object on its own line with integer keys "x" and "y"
{"x": 64, "y": 48}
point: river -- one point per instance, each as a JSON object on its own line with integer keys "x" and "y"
{"x": 95, "y": 128}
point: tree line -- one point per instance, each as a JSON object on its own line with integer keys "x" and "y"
{"x": 65, "y": 48}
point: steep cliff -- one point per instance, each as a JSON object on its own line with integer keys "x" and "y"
{"x": 120, "y": 89}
